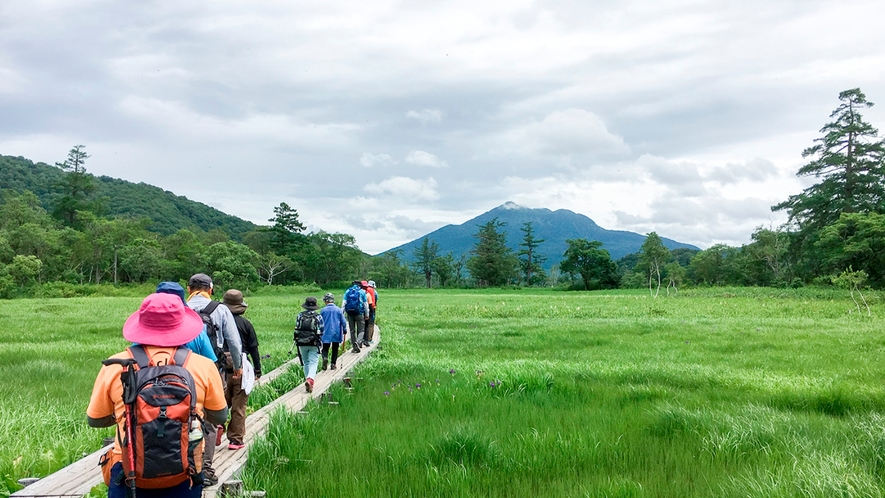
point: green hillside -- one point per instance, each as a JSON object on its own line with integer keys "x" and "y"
{"x": 168, "y": 212}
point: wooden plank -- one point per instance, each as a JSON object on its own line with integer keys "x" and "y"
{"x": 228, "y": 464}
{"x": 78, "y": 478}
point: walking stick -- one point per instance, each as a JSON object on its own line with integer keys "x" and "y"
{"x": 127, "y": 377}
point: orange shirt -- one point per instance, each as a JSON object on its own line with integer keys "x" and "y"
{"x": 370, "y": 297}
{"x": 107, "y": 393}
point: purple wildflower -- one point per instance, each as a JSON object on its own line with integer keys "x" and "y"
{"x": 452, "y": 371}
{"x": 418, "y": 386}
{"x": 437, "y": 381}
{"x": 493, "y": 384}
{"x": 387, "y": 393}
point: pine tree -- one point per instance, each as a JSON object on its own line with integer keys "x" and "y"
{"x": 849, "y": 159}
{"x": 492, "y": 263}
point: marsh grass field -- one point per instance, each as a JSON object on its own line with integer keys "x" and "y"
{"x": 716, "y": 392}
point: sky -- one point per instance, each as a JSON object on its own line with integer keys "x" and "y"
{"x": 389, "y": 119}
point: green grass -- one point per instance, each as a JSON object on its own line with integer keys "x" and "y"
{"x": 716, "y": 392}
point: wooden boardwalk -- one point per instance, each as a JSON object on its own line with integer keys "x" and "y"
{"x": 78, "y": 478}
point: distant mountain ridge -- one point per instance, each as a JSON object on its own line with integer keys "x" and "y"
{"x": 167, "y": 211}
{"x": 555, "y": 227}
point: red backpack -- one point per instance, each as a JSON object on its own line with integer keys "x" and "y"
{"x": 161, "y": 403}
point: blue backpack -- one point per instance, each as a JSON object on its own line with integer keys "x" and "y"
{"x": 352, "y": 301}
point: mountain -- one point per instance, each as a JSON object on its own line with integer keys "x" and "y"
{"x": 168, "y": 212}
{"x": 555, "y": 227}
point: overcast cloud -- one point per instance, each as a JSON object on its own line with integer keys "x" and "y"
{"x": 388, "y": 119}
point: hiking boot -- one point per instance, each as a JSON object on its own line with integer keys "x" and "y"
{"x": 308, "y": 385}
{"x": 236, "y": 445}
{"x": 325, "y": 364}
{"x": 209, "y": 478}
{"x": 356, "y": 349}
{"x": 333, "y": 367}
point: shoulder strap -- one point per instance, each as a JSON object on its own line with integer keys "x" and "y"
{"x": 210, "y": 308}
{"x": 139, "y": 355}
{"x": 180, "y": 357}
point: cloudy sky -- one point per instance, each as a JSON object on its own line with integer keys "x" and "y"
{"x": 388, "y": 119}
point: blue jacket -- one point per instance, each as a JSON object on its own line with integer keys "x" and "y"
{"x": 202, "y": 345}
{"x": 334, "y": 322}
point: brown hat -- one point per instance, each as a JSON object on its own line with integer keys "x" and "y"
{"x": 233, "y": 299}
{"x": 310, "y": 304}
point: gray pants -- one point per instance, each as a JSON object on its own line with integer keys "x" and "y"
{"x": 357, "y": 324}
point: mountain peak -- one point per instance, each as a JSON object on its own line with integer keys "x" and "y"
{"x": 512, "y": 205}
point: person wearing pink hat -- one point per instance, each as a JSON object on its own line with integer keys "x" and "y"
{"x": 160, "y": 326}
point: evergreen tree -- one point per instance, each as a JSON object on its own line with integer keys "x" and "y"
{"x": 425, "y": 259}
{"x": 529, "y": 260}
{"x": 492, "y": 263}
{"x": 77, "y": 187}
{"x": 849, "y": 159}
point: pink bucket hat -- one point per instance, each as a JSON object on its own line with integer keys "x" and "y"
{"x": 162, "y": 320}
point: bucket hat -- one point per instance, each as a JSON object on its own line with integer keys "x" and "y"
{"x": 372, "y": 284}
{"x": 162, "y": 320}
{"x": 310, "y": 304}
{"x": 329, "y": 298}
{"x": 233, "y": 299}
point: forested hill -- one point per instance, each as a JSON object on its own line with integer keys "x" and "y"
{"x": 167, "y": 211}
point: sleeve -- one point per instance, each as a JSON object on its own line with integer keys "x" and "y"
{"x": 101, "y": 407}
{"x": 231, "y": 336}
{"x": 214, "y": 404}
{"x": 252, "y": 345}
{"x": 321, "y": 326}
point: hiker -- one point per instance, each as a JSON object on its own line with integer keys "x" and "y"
{"x": 222, "y": 330}
{"x": 370, "y": 304}
{"x": 370, "y": 328}
{"x": 200, "y": 344}
{"x": 334, "y": 327}
{"x": 234, "y": 392}
{"x": 160, "y": 325}
{"x": 355, "y": 305}
{"x": 309, "y": 339}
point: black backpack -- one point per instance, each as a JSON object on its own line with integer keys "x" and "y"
{"x": 307, "y": 329}
{"x": 212, "y": 330}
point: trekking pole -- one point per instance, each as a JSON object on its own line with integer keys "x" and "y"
{"x": 127, "y": 377}
{"x": 294, "y": 342}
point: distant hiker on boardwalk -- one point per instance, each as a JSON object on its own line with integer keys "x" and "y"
{"x": 235, "y": 393}
{"x": 370, "y": 323}
{"x": 149, "y": 467}
{"x": 370, "y": 304}
{"x": 222, "y": 331}
{"x": 355, "y": 305}
{"x": 334, "y": 327}
{"x": 309, "y": 339}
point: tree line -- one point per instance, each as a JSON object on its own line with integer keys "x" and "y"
{"x": 835, "y": 234}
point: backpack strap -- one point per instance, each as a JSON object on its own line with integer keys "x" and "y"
{"x": 180, "y": 357}
{"x": 210, "y": 308}
{"x": 139, "y": 355}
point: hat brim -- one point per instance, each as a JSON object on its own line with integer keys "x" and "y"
{"x": 186, "y": 331}
{"x": 237, "y": 309}
{"x": 310, "y": 308}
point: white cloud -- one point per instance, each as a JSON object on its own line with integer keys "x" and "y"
{"x": 370, "y": 160}
{"x": 426, "y": 115}
{"x": 426, "y": 159}
{"x": 403, "y": 188}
